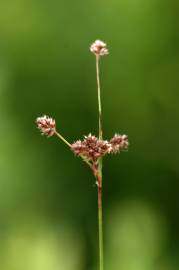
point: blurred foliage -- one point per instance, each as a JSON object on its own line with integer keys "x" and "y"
{"x": 47, "y": 197}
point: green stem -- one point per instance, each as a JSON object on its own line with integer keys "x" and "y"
{"x": 100, "y": 220}
{"x": 67, "y": 143}
{"x": 99, "y": 97}
{"x": 62, "y": 138}
{"x": 99, "y": 174}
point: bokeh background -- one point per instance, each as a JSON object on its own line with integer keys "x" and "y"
{"x": 48, "y": 206}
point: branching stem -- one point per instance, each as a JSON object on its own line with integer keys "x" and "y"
{"x": 69, "y": 145}
{"x": 63, "y": 139}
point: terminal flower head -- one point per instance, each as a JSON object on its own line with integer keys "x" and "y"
{"x": 46, "y": 125}
{"x": 99, "y": 48}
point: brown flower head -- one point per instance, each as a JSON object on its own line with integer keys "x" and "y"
{"x": 119, "y": 143}
{"x": 91, "y": 148}
{"x": 99, "y": 48}
{"x": 46, "y": 125}
{"x": 78, "y": 147}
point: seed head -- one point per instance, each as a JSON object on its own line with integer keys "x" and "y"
{"x": 118, "y": 143}
{"x": 99, "y": 48}
{"x": 46, "y": 125}
{"x": 91, "y": 147}
{"x": 78, "y": 148}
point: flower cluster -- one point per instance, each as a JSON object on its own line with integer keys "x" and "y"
{"x": 119, "y": 143}
{"x": 99, "y": 48}
{"x": 90, "y": 148}
{"x": 46, "y": 125}
{"x": 93, "y": 148}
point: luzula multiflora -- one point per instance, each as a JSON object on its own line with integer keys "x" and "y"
{"x": 91, "y": 149}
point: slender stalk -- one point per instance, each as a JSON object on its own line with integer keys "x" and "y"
{"x": 62, "y": 138}
{"x": 99, "y": 97}
{"x": 99, "y": 174}
{"x": 67, "y": 143}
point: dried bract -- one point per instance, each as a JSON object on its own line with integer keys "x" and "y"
{"x": 46, "y": 125}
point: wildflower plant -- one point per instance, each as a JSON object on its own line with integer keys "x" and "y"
{"x": 91, "y": 149}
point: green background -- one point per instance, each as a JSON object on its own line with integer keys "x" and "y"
{"x": 48, "y": 200}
